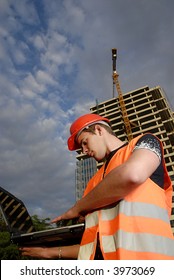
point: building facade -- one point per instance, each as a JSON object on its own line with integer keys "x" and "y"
{"x": 85, "y": 169}
{"x": 148, "y": 111}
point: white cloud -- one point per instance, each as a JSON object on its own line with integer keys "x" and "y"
{"x": 31, "y": 83}
{"x": 38, "y": 42}
{"x": 25, "y": 11}
{"x": 44, "y": 78}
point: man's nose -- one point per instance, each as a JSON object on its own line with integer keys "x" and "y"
{"x": 85, "y": 150}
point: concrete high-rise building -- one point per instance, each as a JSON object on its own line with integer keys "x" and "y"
{"x": 148, "y": 111}
{"x": 85, "y": 169}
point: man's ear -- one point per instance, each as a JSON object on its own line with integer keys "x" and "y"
{"x": 98, "y": 129}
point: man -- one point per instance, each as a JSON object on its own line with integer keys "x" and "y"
{"x": 127, "y": 203}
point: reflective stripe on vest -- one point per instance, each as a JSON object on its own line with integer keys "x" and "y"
{"x": 137, "y": 227}
{"x": 91, "y": 220}
{"x": 135, "y": 209}
{"x": 85, "y": 251}
{"x": 133, "y": 242}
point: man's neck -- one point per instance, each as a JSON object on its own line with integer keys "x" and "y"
{"x": 113, "y": 144}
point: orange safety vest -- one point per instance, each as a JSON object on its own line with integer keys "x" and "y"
{"x": 135, "y": 228}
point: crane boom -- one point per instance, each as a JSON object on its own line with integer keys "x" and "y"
{"x": 120, "y": 96}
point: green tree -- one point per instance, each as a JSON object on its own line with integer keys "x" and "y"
{"x": 8, "y": 251}
{"x": 41, "y": 224}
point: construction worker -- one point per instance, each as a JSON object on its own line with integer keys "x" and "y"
{"x": 127, "y": 203}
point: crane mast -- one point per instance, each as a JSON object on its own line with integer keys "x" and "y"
{"x": 120, "y": 96}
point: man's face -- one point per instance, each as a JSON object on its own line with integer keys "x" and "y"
{"x": 92, "y": 144}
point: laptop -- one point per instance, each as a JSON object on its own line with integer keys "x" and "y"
{"x": 22, "y": 230}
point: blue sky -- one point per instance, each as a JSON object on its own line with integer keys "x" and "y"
{"x": 55, "y": 61}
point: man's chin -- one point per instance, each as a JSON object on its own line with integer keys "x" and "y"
{"x": 97, "y": 159}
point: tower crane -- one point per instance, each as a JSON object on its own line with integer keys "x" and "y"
{"x": 120, "y": 96}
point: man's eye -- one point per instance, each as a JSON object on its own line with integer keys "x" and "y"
{"x": 84, "y": 143}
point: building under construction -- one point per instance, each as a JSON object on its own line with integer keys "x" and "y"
{"x": 131, "y": 114}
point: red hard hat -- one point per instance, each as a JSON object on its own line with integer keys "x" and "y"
{"x": 79, "y": 124}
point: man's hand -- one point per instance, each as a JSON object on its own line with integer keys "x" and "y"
{"x": 73, "y": 212}
{"x": 37, "y": 252}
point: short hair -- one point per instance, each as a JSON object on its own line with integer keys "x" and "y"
{"x": 91, "y": 129}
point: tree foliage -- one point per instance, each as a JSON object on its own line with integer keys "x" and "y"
{"x": 41, "y": 224}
